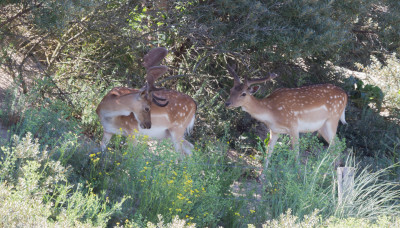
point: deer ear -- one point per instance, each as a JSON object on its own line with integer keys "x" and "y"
{"x": 142, "y": 93}
{"x": 254, "y": 89}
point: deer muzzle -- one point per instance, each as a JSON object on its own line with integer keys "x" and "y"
{"x": 145, "y": 125}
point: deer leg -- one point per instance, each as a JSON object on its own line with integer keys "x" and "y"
{"x": 187, "y": 147}
{"x": 272, "y": 141}
{"x": 328, "y": 131}
{"x": 271, "y": 144}
{"x": 294, "y": 135}
{"x": 106, "y": 139}
{"x": 177, "y": 138}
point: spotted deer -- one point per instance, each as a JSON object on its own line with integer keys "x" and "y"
{"x": 291, "y": 110}
{"x": 171, "y": 114}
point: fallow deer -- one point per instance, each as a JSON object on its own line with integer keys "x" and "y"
{"x": 291, "y": 110}
{"x": 167, "y": 121}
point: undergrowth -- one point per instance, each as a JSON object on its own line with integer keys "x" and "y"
{"x": 50, "y": 175}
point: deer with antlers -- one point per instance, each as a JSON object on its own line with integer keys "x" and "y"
{"x": 291, "y": 111}
{"x": 156, "y": 112}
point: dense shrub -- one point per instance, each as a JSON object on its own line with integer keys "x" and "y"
{"x": 386, "y": 76}
{"x": 35, "y": 191}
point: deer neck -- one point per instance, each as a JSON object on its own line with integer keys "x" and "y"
{"x": 128, "y": 101}
{"x": 258, "y": 109}
{"x": 122, "y": 105}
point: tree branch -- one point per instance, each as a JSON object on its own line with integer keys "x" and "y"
{"x": 9, "y": 20}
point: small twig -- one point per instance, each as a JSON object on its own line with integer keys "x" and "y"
{"x": 9, "y": 20}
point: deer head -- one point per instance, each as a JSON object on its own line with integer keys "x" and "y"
{"x": 240, "y": 91}
{"x": 146, "y": 95}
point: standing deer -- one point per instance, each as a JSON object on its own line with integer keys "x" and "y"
{"x": 291, "y": 111}
{"x": 172, "y": 119}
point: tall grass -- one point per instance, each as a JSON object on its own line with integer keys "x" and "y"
{"x": 301, "y": 186}
{"x": 373, "y": 195}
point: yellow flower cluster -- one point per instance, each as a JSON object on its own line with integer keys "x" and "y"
{"x": 94, "y": 158}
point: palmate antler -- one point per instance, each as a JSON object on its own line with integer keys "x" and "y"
{"x": 153, "y": 58}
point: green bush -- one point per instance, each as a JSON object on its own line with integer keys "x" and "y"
{"x": 51, "y": 127}
{"x": 386, "y": 76}
{"x": 157, "y": 181}
{"x": 315, "y": 220}
{"x": 35, "y": 191}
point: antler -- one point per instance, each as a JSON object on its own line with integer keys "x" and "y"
{"x": 153, "y": 74}
{"x": 231, "y": 70}
{"x": 150, "y": 61}
{"x": 154, "y": 57}
{"x": 250, "y": 82}
{"x": 247, "y": 81}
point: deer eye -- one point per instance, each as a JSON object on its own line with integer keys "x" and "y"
{"x": 243, "y": 94}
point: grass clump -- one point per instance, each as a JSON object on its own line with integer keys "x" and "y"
{"x": 372, "y": 197}
{"x": 301, "y": 186}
